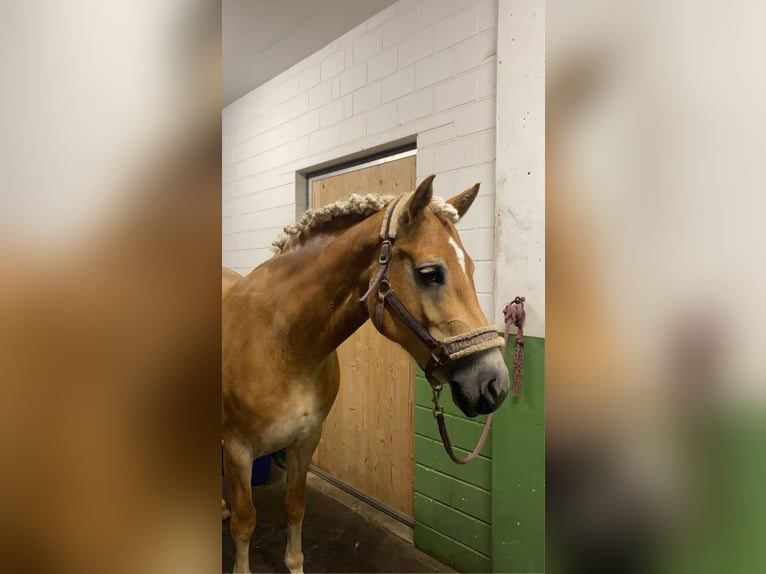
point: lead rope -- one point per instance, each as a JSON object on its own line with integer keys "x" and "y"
{"x": 514, "y": 314}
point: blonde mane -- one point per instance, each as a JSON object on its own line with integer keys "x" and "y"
{"x": 361, "y": 205}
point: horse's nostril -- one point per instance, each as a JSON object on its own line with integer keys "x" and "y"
{"x": 494, "y": 389}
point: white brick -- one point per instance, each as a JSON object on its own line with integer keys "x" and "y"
{"x": 308, "y": 123}
{"x": 481, "y": 214}
{"x": 265, "y": 180}
{"x": 228, "y": 208}
{"x": 475, "y": 117}
{"x": 227, "y": 156}
{"x": 487, "y": 304}
{"x": 483, "y": 276}
{"x": 488, "y": 14}
{"x": 415, "y": 105}
{"x": 398, "y": 84}
{"x": 249, "y": 129}
{"x": 331, "y": 113}
{"x": 416, "y": 47}
{"x": 280, "y": 134}
{"x": 229, "y": 242}
{"x": 382, "y": 16}
{"x": 486, "y": 145}
{"x": 298, "y": 148}
{"x": 486, "y": 76}
{"x": 296, "y": 106}
{"x": 425, "y": 163}
{"x": 246, "y": 258}
{"x": 381, "y": 118}
{"x": 265, "y": 218}
{"x": 458, "y": 180}
{"x": 250, "y": 166}
{"x": 382, "y": 64}
{"x": 323, "y": 139}
{"x": 367, "y": 46}
{"x": 348, "y": 106}
{"x": 260, "y": 238}
{"x": 349, "y": 56}
{"x": 367, "y": 98}
{"x": 353, "y": 78}
{"x": 247, "y": 149}
{"x": 335, "y": 87}
{"x": 479, "y": 243}
{"x": 475, "y": 50}
{"x": 309, "y": 78}
{"x": 352, "y": 129}
{"x": 333, "y": 65}
{"x": 320, "y": 95}
{"x": 456, "y": 28}
{"x": 428, "y": 122}
{"x": 435, "y": 68}
{"x": 437, "y": 135}
{"x": 289, "y": 88}
{"x": 455, "y": 91}
{"x": 459, "y": 153}
{"x": 274, "y": 157}
{"x": 396, "y": 30}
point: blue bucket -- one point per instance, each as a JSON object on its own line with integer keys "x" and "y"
{"x": 261, "y": 470}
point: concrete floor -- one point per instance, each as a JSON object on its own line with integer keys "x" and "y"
{"x": 340, "y": 534}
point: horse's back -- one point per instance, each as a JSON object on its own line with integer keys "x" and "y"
{"x": 228, "y": 278}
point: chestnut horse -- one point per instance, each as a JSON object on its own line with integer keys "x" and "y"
{"x": 282, "y": 324}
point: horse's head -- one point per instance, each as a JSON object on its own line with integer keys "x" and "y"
{"x": 432, "y": 276}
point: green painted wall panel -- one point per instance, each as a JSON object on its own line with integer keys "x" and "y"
{"x": 452, "y": 523}
{"x": 463, "y": 432}
{"x": 449, "y": 551}
{"x": 487, "y": 515}
{"x": 518, "y": 470}
{"x": 430, "y": 453}
{"x": 460, "y": 495}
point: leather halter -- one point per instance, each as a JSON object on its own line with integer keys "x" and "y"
{"x": 441, "y": 353}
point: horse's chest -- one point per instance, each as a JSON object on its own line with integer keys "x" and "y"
{"x": 296, "y": 422}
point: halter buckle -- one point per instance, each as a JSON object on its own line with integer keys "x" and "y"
{"x": 438, "y": 409}
{"x": 385, "y": 252}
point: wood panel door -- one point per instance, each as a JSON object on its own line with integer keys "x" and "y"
{"x": 368, "y": 437}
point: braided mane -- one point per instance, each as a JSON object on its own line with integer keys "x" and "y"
{"x": 314, "y": 220}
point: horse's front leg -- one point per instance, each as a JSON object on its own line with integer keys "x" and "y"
{"x": 298, "y": 458}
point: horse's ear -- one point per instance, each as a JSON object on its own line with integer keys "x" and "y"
{"x": 462, "y": 201}
{"x": 419, "y": 200}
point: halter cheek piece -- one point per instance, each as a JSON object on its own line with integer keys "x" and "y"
{"x": 441, "y": 353}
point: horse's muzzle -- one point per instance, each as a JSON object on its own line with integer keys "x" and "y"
{"x": 479, "y": 382}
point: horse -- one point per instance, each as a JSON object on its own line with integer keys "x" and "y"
{"x": 396, "y": 260}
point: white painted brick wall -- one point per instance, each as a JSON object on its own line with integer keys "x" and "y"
{"x": 424, "y": 68}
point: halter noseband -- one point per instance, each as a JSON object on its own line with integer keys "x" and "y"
{"x": 440, "y": 352}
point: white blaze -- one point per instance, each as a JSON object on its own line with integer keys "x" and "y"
{"x": 459, "y": 253}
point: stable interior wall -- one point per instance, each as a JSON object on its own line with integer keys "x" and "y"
{"x": 419, "y": 71}
{"x": 423, "y": 71}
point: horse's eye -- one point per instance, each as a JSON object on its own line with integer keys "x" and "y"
{"x": 431, "y": 275}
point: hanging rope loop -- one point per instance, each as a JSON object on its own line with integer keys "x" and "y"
{"x": 515, "y": 315}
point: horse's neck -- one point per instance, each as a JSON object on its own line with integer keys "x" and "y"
{"x": 321, "y": 284}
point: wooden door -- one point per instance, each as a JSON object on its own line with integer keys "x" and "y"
{"x": 368, "y": 437}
